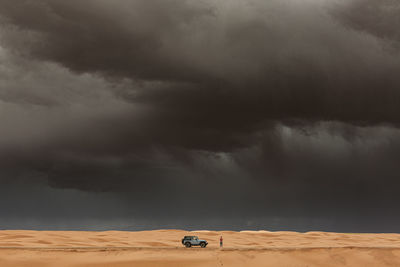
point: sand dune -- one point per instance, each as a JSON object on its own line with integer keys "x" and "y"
{"x": 163, "y": 248}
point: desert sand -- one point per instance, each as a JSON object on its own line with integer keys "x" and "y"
{"x": 163, "y": 248}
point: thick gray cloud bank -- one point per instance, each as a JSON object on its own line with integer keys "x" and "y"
{"x": 251, "y": 114}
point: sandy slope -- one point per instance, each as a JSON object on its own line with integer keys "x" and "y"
{"x": 163, "y": 248}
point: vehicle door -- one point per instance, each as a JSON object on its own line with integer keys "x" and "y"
{"x": 195, "y": 241}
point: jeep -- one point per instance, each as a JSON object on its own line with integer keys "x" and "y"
{"x": 189, "y": 241}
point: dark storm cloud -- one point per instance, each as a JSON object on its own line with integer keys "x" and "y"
{"x": 380, "y": 18}
{"x": 122, "y": 38}
{"x": 276, "y": 60}
{"x": 258, "y": 108}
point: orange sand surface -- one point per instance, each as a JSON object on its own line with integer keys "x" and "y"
{"x": 163, "y": 248}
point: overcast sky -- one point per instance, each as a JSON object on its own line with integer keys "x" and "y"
{"x": 209, "y": 114}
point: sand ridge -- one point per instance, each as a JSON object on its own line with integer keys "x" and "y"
{"x": 172, "y": 238}
{"x": 163, "y": 248}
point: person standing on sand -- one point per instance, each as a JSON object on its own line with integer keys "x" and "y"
{"x": 221, "y": 242}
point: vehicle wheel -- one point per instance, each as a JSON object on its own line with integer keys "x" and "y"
{"x": 203, "y": 245}
{"x": 188, "y": 245}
